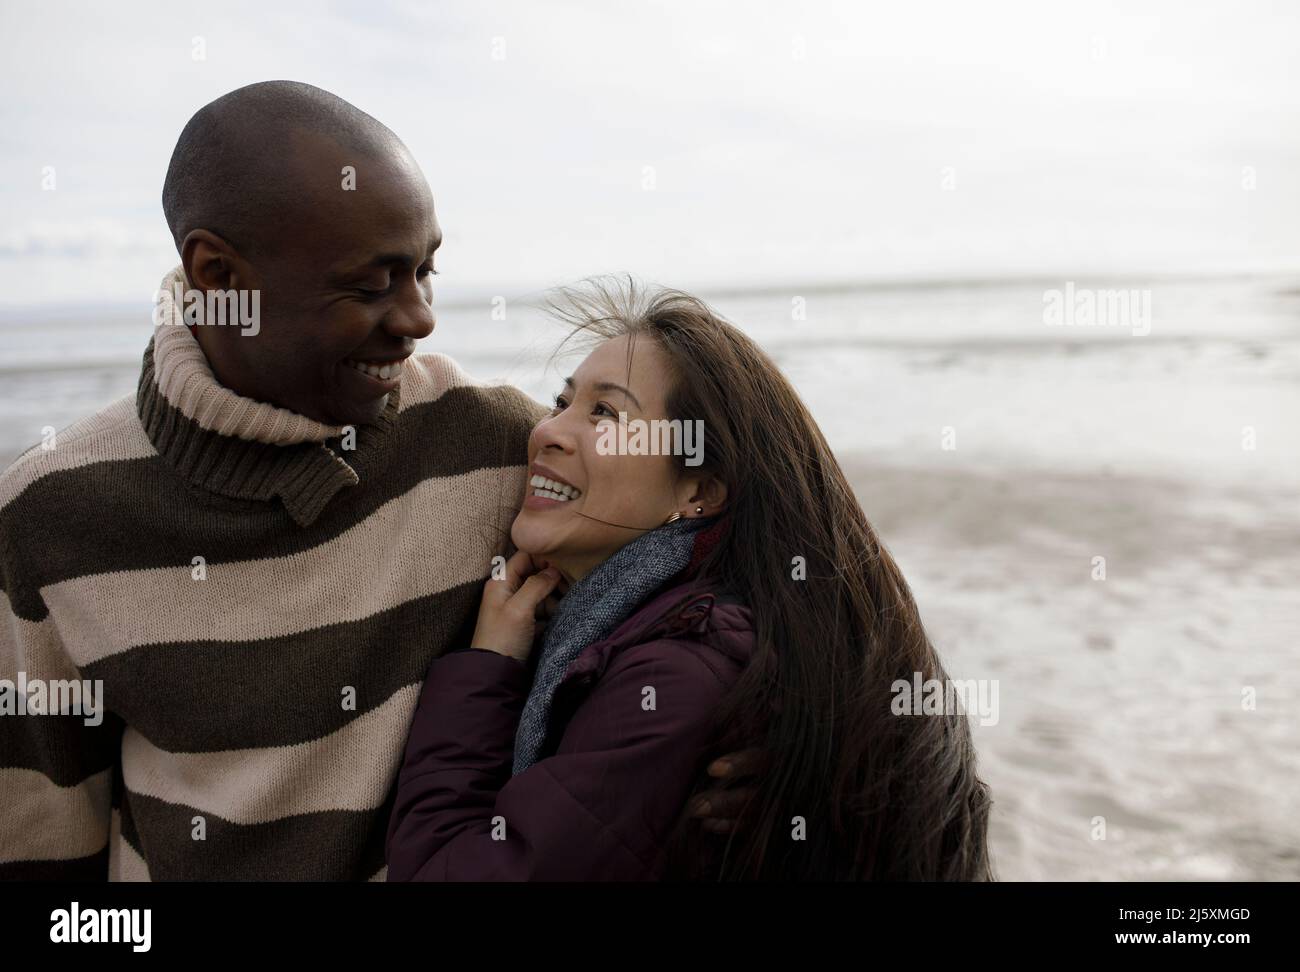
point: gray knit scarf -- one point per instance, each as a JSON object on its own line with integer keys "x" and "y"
{"x": 591, "y": 609}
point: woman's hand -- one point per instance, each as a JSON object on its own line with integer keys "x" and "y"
{"x": 514, "y": 608}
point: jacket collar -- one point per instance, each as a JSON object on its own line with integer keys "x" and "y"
{"x": 688, "y": 610}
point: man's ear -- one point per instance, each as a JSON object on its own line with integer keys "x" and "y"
{"x": 211, "y": 263}
{"x": 708, "y": 492}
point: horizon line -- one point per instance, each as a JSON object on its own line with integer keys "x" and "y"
{"x": 833, "y": 286}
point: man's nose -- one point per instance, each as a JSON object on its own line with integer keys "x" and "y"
{"x": 412, "y": 318}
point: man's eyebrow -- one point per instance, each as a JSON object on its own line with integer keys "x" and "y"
{"x": 606, "y": 386}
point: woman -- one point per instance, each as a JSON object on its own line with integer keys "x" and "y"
{"x": 714, "y": 601}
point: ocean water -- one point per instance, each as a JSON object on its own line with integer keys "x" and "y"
{"x": 885, "y": 370}
{"x": 1149, "y": 722}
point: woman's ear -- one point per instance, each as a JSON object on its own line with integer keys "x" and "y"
{"x": 708, "y": 493}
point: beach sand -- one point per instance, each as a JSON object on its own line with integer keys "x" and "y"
{"x": 1119, "y": 698}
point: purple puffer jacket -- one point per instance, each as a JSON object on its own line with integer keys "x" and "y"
{"x": 615, "y": 772}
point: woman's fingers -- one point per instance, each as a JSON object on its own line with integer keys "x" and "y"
{"x": 533, "y": 592}
{"x": 518, "y": 568}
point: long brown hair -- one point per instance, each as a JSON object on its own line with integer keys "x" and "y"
{"x": 881, "y": 796}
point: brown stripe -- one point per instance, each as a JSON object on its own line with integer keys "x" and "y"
{"x": 62, "y": 748}
{"x": 380, "y": 563}
{"x": 204, "y": 696}
{"x": 337, "y": 845}
{"x": 112, "y": 434}
{"x": 92, "y": 868}
{"x": 124, "y": 861}
{"x": 137, "y": 514}
{"x": 125, "y": 821}
{"x": 350, "y": 769}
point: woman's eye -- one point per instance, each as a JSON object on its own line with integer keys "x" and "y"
{"x": 603, "y": 409}
{"x": 560, "y": 404}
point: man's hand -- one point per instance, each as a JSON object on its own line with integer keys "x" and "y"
{"x": 719, "y": 810}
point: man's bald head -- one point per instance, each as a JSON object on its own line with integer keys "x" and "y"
{"x": 261, "y": 200}
{"x": 236, "y": 165}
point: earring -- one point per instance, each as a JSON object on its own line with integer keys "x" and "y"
{"x": 699, "y": 511}
{"x": 673, "y": 517}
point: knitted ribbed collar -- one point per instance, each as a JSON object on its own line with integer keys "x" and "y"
{"x": 235, "y": 446}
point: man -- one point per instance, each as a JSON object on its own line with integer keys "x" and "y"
{"x": 257, "y": 556}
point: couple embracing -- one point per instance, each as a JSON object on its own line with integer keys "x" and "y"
{"x": 441, "y": 632}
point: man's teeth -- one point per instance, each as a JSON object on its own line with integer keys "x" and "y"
{"x": 551, "y": 489}
{"x": 383, "y": 370}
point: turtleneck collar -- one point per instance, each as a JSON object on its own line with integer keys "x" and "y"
{"x": 233, "y": 445}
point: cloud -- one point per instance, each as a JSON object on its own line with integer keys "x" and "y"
{"x": 75, "y": 240}
{"x": 790, "y": 142}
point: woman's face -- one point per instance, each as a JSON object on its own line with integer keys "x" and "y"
{"x": 605, "y": 499}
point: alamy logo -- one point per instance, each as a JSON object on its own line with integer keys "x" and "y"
{"x": 656, "y": 437}
{"x": 72, "y": 925}
{"x": 38, "y": 696}
{"x": 221, "y": 308}
{"x": 930, "y": 696}
{"x": 1084, "y": 307}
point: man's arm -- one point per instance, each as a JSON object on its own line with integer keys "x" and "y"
{"x": 55, "y": 769}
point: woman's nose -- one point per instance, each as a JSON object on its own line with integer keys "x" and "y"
{"x": 552, "y": 433}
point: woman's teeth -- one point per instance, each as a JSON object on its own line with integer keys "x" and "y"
{"x": 382, "y": 370}
{"x": 550, "y": 489}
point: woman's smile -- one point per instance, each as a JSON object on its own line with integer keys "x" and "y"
{"x": 547, "y": 490}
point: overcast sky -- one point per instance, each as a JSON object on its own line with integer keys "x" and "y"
{"x": 693, "y": 143}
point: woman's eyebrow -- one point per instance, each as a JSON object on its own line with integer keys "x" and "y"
{"x": 606, "y": 386}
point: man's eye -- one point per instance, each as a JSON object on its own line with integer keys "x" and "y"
{"x": 425, "y": 272}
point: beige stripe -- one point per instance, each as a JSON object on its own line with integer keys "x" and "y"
{"x": 349, "y": 769}
{"x": 42, "y": 821}
{"x": 426, "y": 377}
{"x": 440, "y": 533}
{"x": 112, "y": 434}
{"x": 124, "y": 864}
{"x": 380, "y": 875}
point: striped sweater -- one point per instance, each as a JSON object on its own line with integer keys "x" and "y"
{"x": 260, "y": 604}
